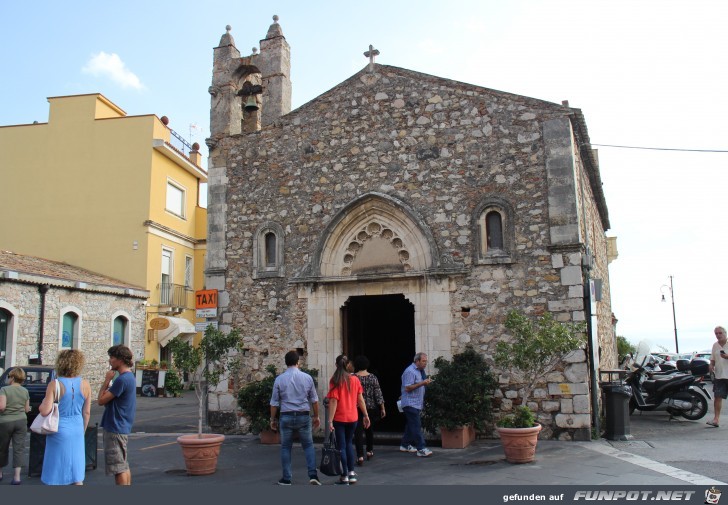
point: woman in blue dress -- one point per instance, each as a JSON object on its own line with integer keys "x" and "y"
{"x": 65, "y": 454}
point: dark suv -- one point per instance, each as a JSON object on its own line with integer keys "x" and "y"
{"x": 37, "y": 378}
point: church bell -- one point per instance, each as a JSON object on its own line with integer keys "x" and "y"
{"x": 251, "y": 105}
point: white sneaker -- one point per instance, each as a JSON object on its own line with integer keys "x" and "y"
{"x": 407, "y": 448}
{"x": 423, "y": 453}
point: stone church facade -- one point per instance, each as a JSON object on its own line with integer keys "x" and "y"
{"x": 401, "y": 212}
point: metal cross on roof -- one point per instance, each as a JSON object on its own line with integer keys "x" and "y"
{"x": 371, "y": 54}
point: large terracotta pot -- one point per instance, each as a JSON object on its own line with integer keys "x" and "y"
{"x": 201, "y": 453}
{"x": 270, "y": 437}
{"x": 519, "y": 444}
{"x": 458, "y": 438}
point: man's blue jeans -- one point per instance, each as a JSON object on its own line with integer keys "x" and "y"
{"x": 289, "y": 424}
{"x": 412, "y": 428}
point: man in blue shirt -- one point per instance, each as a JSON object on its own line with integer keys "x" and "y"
{"x": 294, "y": 394}
{"x": 414, "y": 381}
{"x": 119, "y": 401}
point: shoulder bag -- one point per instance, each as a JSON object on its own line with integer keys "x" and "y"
{"x": 48, "y": 425}
{"x": 331, "y": 457}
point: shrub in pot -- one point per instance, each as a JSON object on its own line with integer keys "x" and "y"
{"x": 458, "y": 400}
{"x": 172, "y": 383}
{"x": 254, "y": 401}
{"x": 205, "y": 363}
{"x": 536, "y": 349}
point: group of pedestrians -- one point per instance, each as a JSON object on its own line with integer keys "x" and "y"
{"x": 64, "y": 460}
{"x": 355, "y": 400}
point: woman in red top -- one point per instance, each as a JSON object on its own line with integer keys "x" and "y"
{"x": 345, "y": 395}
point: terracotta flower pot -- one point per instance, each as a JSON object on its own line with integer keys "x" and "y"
{"x": 458, "y": 438}
{"x": 201, "y": 453}
{"x": 519, "y": 444}
{"x": 270, "y": 437}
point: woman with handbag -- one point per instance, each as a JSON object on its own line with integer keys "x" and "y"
{"x": 14, "y": 408}
{"x": 374, "y": 401}
{"x": 345, "y": 395}
{"x": 65, "y": 454}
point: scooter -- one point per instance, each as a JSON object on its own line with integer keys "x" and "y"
{"x": 678, "y": 393}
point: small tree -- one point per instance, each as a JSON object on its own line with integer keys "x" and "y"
{"x": 460, "y": 393}
{"x": 624, "y": 348}
{"x": 537, "y": 347}
{"x": 205, "y": 363}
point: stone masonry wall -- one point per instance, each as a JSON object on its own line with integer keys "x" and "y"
{"x": 440, "y": 146}
{"x": 96, "y": 309}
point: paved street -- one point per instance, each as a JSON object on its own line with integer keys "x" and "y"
{"x": 663, "y": 452}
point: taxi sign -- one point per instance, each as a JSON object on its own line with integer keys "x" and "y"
{"x": 206, "y": 299}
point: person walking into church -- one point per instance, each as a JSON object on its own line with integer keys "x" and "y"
{"x": 414, "y": 381}
{"x": 345, "y": 395}
{"x": 375, "y": 408}
{"x": 294, "y": 394}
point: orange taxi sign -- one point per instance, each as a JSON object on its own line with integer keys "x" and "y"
{"x": 206, "y": 299}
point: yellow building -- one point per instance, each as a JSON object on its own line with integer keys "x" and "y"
{"x": 113, "y": 194}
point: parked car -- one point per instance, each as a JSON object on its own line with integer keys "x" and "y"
{"x": 669, "y": 360}
{"x": 37, "y": 378}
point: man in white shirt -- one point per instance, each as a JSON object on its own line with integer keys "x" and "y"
{"x": 719, "y": 367}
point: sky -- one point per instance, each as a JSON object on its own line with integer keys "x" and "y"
{"x": 644, "y": 73}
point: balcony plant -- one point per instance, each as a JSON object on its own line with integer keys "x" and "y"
{"x": 536, "y": 349}
{"x": 458, "y": 400}
{"x": 205, "y": 364}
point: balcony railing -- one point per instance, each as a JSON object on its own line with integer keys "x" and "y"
{"x": 175, "y": 295}
{"x": 179, "y": 143}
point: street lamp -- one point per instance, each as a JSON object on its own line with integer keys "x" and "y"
{"x": 672, "y": 296}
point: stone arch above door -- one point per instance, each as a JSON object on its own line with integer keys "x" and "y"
{"x": 375, "y": 235}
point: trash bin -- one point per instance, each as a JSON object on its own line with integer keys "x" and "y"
{"x": 616, "y": 404}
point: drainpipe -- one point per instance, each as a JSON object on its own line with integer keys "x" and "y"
{"x": 42, "y": 289}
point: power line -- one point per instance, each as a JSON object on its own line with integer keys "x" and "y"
{"x": 664, "y": 149}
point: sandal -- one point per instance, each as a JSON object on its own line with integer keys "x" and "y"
{"x": 360, "y": 461}
{"x": 711, "y": 423}
{"x": 370, "y": 455}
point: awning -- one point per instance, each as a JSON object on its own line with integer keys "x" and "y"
{"x": 177, "y": 326}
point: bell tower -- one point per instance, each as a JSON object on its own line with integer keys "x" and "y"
{"x": 274, "y": 63}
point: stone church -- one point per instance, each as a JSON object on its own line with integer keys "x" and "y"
{"x": 401, "y": 212}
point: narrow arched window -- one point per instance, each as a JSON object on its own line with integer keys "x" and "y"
{"x": 270, "y": 249}
{"x": 494, "y": 230}
{"x": 268, "y": 256}
{"x": 120, "y": 326}
{"x": 69, "y": 334}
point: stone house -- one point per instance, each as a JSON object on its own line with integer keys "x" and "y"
{"x": 46, "y": 306}
{"x": 401, "y": 212}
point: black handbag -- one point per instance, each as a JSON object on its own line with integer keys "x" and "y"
{"x": 331, "y": 457}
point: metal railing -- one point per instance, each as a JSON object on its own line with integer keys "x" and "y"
{"x": 174, "y": 295}
{"x": 179, "y": 143}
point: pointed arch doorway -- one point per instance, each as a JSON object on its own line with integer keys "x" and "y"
{"x": 382, "y": 328}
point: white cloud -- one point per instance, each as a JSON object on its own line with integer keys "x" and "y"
{"x": 111, "y": 66}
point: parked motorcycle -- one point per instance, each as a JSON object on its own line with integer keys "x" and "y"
{"x": 678, "y": 393}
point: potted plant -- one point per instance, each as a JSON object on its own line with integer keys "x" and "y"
{"x": 206, "y": 363}
{"x": 254, "y": 401}
{"x": 458, "y": 400}
{"x": 163, "y": 364}
{"x": 154, "y": 363}
{"x": 172, "y": 384}
{"x": 535, "y": 350}
{"x": 142, "y": 364}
